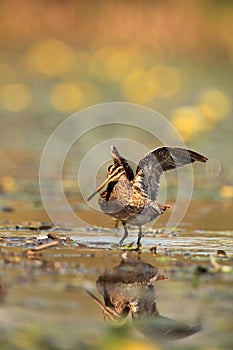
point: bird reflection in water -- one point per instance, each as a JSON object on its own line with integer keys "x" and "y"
{"x": 130, "y": 288}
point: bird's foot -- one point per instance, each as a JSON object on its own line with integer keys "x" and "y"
{"x": 131, "y": 247}
{"x": 123, "y": 246}
{"x": 164, "y": 207}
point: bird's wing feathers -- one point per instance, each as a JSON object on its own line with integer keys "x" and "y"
{"x": 120, "y": 161}
{"x": 162, "y": 159}
{"x": 173, "y": 157}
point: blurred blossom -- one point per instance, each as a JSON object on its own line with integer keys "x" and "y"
{"x": 152, "y": 53}
{"x": 208, "y": 113}
{"x": 143, "y": 86}
{"x": 91, "y": 95}
{"x": 67, "y": 97}
{"x": 138, "y": 87}
{"x": 188, "y": 121}
{"x": 15, "y": 97}
{"x": 51, "y": 58}
{"x": 218, "y": 103}
{"x": 114, "y": 63}
{"x": 129, "y": 344}
{"x": 213, "y": 106}
{"x": 8, "y": 184}
{"x": 226, "y": 191}
{"x": 167, "y": 80}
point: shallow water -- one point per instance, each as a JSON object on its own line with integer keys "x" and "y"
{"x": 44, "y": 302}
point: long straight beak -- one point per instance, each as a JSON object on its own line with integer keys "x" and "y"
{"x": 99, "y": 188}
{"x": 115, "y": 175}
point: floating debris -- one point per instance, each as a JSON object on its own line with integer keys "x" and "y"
{"x": 219, "y": 267}
{"x": 34, "y": 251}
{"x": 153, "y": 249}
{"x": 221, "y": 252}
{"x": 34, "y": 225}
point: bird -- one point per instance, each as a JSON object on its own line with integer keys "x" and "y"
{"x": 132, "y": 198}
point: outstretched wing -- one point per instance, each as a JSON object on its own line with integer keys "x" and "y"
{"x": 162, "y": 159}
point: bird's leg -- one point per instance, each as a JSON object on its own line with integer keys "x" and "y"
{"x": 125, "y": 233}
{"x": 139, "y": 237}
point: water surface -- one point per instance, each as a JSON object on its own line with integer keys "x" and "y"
{"x": 44, "y": 302}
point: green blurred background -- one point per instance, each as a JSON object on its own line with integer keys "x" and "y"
{"x": 57, "y": 57}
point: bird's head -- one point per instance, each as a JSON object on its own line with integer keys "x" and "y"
{"x": 113, "y": 175}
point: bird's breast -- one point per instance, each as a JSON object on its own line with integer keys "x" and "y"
{"x": 131, "y": 206}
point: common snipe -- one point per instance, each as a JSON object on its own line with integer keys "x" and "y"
{"x": 132, "y": 198}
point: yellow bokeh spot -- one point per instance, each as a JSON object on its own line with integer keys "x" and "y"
{"x": 15, "y": 97}
{"x": 91, "y": 95}
{"x": 51, "y": 58}
{"x": 216, "y": 101}
{"x": 114, "y": 63}
{"x": 227, "y": 191}
{"x": 167, "y": 80}
{"x": 142, "y": 86}
{"x": 137, "y": 345}
{"x": 130, "y": 345}
{"x": 8, "y": 184}
{"x": 66, "y": 97}
{"x": 187, "y": 121}
{"x": 138, "y": 87}
{"x": 208, "y": 112}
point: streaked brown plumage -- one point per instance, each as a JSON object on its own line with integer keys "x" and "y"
{"x": 132, "y": 198}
